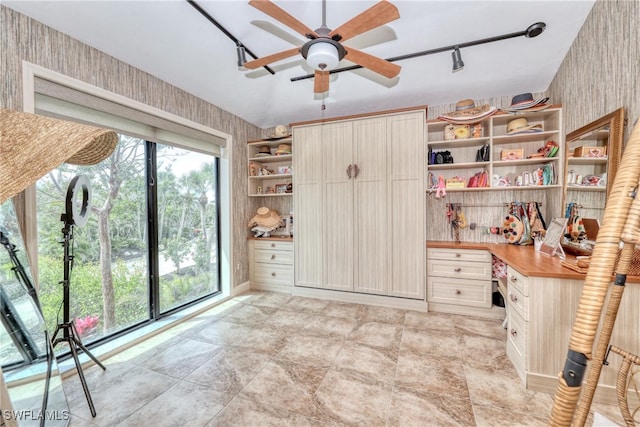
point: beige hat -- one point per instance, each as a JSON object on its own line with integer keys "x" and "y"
{"x": 33, "y": 145}
{"x": 282, "y": 131}
{"x": 283, "y": 149}
{"x": 266, "y": 217}
{"x": 466, "y": 112}
{"x": 521, "y": 125}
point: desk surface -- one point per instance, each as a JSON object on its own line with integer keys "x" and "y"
{"x": 525, "y": 259}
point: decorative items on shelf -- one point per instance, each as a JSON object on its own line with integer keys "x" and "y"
{"x": 265, "y": 221}
{"x": 598, "y": 152}
{"x": 512, "y": 154}
{"x": 523, "y": 223}
{"x": 483, "y": 154}
{"x": 456, "y": 182}
{"x": 549, "y": 149}
{"x": 479, "y": 180}
{"x": 439, "y": 157}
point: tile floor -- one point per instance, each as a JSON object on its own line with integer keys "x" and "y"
{"x": 269, "y": 359}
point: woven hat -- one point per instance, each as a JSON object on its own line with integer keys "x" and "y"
{"x": 32, "y": 145}
{"x": 521, "y": 125}
{"x": 525, "y": 102}
{"x": 266, "y": 217}
{"x": 466, "y": 112}
{"x": 282, "y": 131}
{"x": 283, "y": 149}
{"x": 264, "y": 151}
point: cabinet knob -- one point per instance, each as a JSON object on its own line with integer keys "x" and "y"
{"x": 273, "y": 245}
{"x": 458, "y": 270}
{"x": 458, "y": 291}
{"x": 273, "y": 257}
{"x": 273, "y": 274}
{"x": 514, "y": 333}
{"x": 513, "y": 298}
{"x": 458, "y": 255}
{"x": 514, "y": 279}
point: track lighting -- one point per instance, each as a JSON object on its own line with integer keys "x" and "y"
{"x": 457, "y": 60}
{"x": 242, "y": 58}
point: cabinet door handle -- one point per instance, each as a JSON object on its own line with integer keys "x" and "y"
{"x": 357, "y": 170}
{"x": 273, "y": 257}
{"x": 273, "y": 274}
{"x": 349, "y": 171}
{"x": 458, "y": 270}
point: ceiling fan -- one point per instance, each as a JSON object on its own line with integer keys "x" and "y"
{"x": 324, "y": 49}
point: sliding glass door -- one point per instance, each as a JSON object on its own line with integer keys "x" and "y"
{"x": 150, "y": 244}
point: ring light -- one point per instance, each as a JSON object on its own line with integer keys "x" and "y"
{"x": 77, "y": 212}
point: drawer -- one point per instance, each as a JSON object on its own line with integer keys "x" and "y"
{"x": 274, "y": 245}
{"x": 464, "y": 255}
{"x": 273, "y": 256}
{"x": 517, "y": 332}
{"x": 517, "y": 280}
{"x": 518, "y": 302}
{"x": 273, "y": 274}
{"x": 473, "y": 293}
{"x": 459, "y": 269}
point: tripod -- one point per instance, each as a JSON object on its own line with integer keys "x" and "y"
{"x": 69, "y": 332}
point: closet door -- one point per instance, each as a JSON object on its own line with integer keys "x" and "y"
{"x": 307, "y": 198}
{"x": 337, "y": 206}
{"x": 371, "y": 209}
{"x": 406, "y": 181}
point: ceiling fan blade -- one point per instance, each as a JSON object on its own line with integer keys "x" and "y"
{"x": 321, "y": 82}
{"x": 266, "y": 60}
{"x": 377, "y": 15}
{"x": 373, "y": 63}
{"x": 279, "y": 14}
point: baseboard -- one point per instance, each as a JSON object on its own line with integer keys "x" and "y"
{"x": 241, "y": 288}
{"x": 272, "y": 288}
{"x": 494, "y": 312}
{"x": 358, "y": 298}
{"x": 605, "y": 394}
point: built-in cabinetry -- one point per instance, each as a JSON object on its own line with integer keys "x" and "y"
{"x": 510, "y": 156}
{"x": 359, "y": 204}
{"x": 271, "y": 264}
{"x": 459, "y": 281}
{"x": 270, "y": 167}
{"x": 518, "y": 321}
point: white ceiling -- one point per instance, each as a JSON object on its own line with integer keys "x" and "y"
{"x": 173, "y": 41}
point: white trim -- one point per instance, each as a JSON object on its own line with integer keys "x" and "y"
{"x": 241, "y": 288}
{"x": 357, "y": 298}
{"x": 284, "y": 289}
{"x": 31, "y": 71}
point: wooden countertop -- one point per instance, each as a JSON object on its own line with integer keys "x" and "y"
{"x": 525, "y": 259}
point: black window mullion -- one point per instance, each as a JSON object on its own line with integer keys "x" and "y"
{"x": 152, "y": 223}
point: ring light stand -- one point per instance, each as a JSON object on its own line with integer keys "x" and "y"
{"x": 77, "y": 213}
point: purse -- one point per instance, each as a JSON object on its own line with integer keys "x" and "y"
{"x": 482, "y": 155}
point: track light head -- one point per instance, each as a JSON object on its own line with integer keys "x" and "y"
{"x": 242, "y": 58}
{"x": 458, "y": 64}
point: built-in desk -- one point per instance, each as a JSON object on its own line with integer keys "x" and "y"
{"x": 542, "y": 302}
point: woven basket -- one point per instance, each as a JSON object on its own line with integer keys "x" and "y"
{"x": 634, "y": 267}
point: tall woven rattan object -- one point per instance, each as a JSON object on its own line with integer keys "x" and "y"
{"x": 32, "y": 145}
{"x": 621, "y": 223}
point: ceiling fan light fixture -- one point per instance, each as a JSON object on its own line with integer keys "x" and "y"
{"x": 458, "y": 64}
{"x": 323, "y": 56}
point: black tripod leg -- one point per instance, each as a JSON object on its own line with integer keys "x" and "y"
{"x": 83, "y": 381}
{"x": 47, "y": 381}
{"x": 76, "y": 339}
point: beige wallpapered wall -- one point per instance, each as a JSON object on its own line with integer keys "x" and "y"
{"x": 25, "y": 39}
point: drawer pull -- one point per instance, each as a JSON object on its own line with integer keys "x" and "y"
{"x": 273, "y": 245}
{"x": 458, "y": 255}
{"x": 458, "y": 291}
{"x": 273, "y": 274}
{"x": 513, "y": 298}
{"x": 514, "y": 279}
{"x": 273, "y": 257}
{"x": 514, "y": 333}
{"x": 458, "y": 270}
